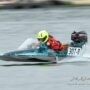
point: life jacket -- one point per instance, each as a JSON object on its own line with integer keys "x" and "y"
{"x": 55, "y": 45}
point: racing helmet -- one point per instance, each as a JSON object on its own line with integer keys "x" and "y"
{"x": 43, "y": 36}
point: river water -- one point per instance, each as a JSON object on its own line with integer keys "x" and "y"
{"x": 18, "y": 25}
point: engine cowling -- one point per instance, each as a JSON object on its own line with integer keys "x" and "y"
{"x": 79, "y": 37}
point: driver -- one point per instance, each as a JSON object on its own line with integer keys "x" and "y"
{"x": 45, "y": 38}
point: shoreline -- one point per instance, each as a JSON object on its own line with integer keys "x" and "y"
{"x": 20, "y": 5}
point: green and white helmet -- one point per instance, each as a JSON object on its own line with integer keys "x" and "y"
{"x": 43, "y": 36}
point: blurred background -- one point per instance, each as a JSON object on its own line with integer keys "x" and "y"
{"x": 22, "y": 19}
{"x": 30, "y": 16}
{"x": 39, "y": 3}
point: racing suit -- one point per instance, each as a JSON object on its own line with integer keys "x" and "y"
{"x": 54, "y": 44}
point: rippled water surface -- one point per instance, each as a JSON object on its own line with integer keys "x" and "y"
{"x": 18, "y": 25}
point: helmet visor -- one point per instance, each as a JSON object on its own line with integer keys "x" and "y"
{"x": 42, "y": 39}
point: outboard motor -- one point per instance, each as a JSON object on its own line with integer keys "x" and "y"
{"x": 79, "y": 38}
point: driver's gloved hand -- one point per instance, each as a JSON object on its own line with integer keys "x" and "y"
{"x": 43, "y": 48}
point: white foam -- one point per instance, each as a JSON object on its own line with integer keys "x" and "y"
{"x": 28, "y": 43}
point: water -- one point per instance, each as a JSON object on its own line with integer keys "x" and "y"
{"x": 18, "y": 25}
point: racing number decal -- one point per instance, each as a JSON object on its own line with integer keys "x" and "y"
{"x": 73, "y": 51}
